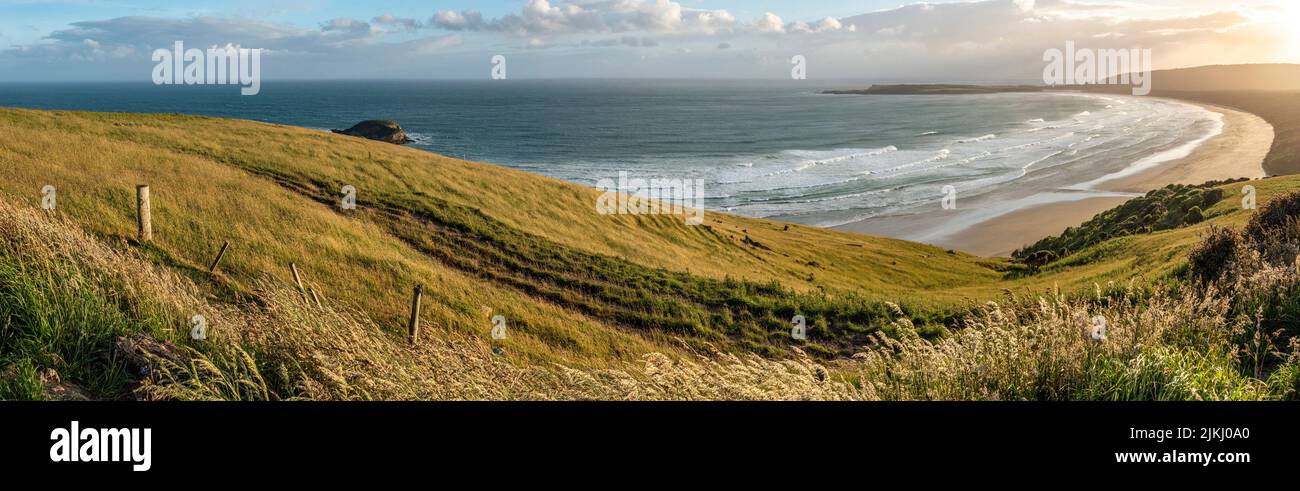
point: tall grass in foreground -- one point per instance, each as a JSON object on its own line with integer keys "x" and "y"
{"x": 65, "y": 298}
{"x": 321, "y": 353}
{"x": 1156, "y": 347}
{"x": 1227, "y": 333}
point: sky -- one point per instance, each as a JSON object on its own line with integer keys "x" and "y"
{"x": 879, "y": 40}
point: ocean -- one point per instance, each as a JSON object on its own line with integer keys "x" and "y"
{"x": 774, "y": 149}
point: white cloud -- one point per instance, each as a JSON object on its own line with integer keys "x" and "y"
{"x": 829, "y": 24}
{"x": 770, "y": 23}
{"x": 457, "y": 21}
{"x": 606, "y": 16}
{"x": 1006, "y": 38}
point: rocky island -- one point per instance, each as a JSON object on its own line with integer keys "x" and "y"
{"x": 384, "y": 131}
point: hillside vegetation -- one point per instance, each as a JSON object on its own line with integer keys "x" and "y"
{"x": 1174, "y": 206}
{"x": 571, "y": 283}
{"x": 595, "y": 305}
{"x": 71, "y": 304}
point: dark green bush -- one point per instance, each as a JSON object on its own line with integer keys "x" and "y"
{"x": 1214, "y": 255}
{"x": 1167, "y": 208}
{"x": 1276, "y": 214}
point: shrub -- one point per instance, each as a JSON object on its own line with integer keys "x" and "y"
{"x": 1214, "y": 255}
{"x": 1167, "y": 208}
{"x": 1212, "y": 197}
{"x": 1273, "y": 215}
{"x": 1272, "y": 229}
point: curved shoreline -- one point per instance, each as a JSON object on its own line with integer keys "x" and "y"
{"x": 1237, "y": 151}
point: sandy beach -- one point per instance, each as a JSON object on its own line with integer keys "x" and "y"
{"x": 1238, "y": 151}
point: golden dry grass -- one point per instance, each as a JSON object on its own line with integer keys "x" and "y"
{"x": 282, "y": 347}
{"x": 203, "y": 174}
{"x": 216, "y": 180}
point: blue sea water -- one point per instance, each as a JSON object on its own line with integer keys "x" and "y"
{"x": 777, "y": 149}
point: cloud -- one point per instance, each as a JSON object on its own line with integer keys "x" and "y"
{"x": 346, "y": 25}
{"x": 1006, "y": 38}
{"x": 990, "y": 40}
{"x": 605, "y": 16}
{"x": 120, "y": 48}
{"x": 829, "y": 24}
{"x": 392, "y": 21}
{"x": 1207, "y": 22}
{"x": 770, "y": 23}
{"x": 629, "y": 41}
{"x": 431, "y": 45}
{"x": 469, "y": 20}
{"x": 128, "y": 36}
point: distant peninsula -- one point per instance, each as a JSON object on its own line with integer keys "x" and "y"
{"x": 936, "y": 89}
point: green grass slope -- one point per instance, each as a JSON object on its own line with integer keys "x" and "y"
{"x": 485, "y": 240}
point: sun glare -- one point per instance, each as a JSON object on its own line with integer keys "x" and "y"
{"x": 1289, "y": 23}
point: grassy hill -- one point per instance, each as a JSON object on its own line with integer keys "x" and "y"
{"x": 1264, "y": 77}
{"x": 609, "y": 296}
{"x": 573, "y": 284}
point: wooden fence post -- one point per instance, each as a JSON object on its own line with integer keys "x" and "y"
{"x": 297, "y": 280}
{"x": 414, "y": 327}
{"x": 315, "y": 297}
{"x": 143, "y": 213}
{"x": 220, "y": 255}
